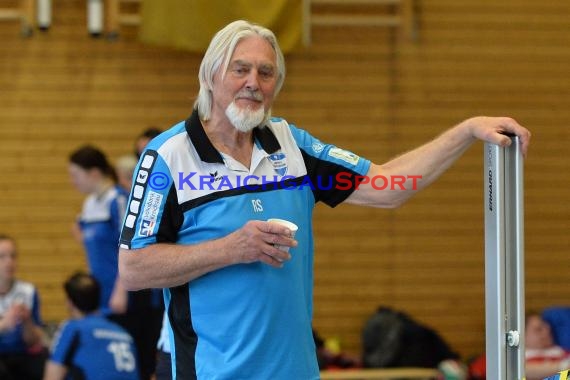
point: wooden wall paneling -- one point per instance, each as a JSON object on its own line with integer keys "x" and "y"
{"x": 360, "y": 88}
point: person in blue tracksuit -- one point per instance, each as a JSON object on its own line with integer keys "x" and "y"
{"x": 239, "y": 306}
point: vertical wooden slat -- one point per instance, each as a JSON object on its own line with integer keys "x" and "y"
{"x": 112, "y": 17}
{"x": 28, "y": 16}
{"x": 408, "y": 28}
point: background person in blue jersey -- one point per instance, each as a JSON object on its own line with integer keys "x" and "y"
{"x": 99, "y": 222}
{"x": 22, "y": 353}
{"x": 89, "y": 346}
{"x": 99, "y": 227}
{"x": 238, "y": 306}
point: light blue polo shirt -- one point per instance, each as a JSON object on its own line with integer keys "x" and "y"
{"x": 245, "y": 321}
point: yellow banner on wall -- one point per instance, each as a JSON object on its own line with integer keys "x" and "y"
{"x": 191, "y": 24}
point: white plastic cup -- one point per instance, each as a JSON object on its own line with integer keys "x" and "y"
{"x": 291, "y": 226}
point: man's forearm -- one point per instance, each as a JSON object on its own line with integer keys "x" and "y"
{"x": 419, "y": 167}
{"x": 168, "y": 265}
{"x": 426, "y": 163}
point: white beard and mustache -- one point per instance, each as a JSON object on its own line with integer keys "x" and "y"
{"x": 245, "y": 119}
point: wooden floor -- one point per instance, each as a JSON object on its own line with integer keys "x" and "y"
{"x": 360, "y": 88}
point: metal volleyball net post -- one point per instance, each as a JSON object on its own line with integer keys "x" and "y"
{"x": 504, "y": 261}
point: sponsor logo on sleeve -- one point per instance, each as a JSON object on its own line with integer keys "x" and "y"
{"x": 142, "y": 176}
{"x": 318, "y": 147}
{"x": 150, "y": 213}
{"x": 344, "y": 155}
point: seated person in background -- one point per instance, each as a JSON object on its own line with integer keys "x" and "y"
{"x": 22, "y": 354}
{"x": 89, "y": 346}
{"x": 559, "y": 319}
{"x": 543, "y": 356}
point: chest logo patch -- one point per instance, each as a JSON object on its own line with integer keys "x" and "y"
{"x": 279, "y": 162}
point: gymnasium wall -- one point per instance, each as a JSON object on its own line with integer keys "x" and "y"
{"x": 363, "y": 89}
